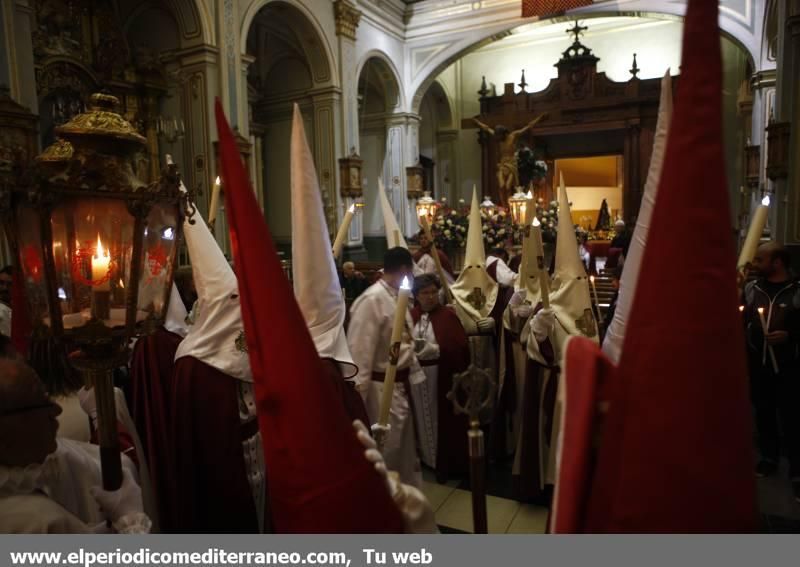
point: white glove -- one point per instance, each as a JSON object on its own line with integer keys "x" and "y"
{"x": 522, "y": 311}
{"x": 518, "y": 298}
{"x": 543, "y": 324}
{"x": 486, "y": 325}
{"x": 374, "y": 456}
{"x": 124, "y": 506}
{"x": 429, "y": 352}
{"x": 88, "y": 403}
{"x": 417, "y": 512}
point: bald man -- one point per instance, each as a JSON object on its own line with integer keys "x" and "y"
{"x": 50, "y": 485}
{"x": 774, "y": 385}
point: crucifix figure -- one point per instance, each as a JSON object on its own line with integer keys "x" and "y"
{"x": 507, "y": 173}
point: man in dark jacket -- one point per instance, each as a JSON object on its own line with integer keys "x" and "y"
{"x": 772, "y": 318}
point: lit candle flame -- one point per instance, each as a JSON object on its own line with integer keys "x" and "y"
{"x": 217, "y": 181}
{"x": 406, "y": 284}
{"x": 591, "y": 279}
{"x": 100, "y": 252}
{"x": 760, "y": 310}
{"x": 536, "y": 222}
{"x": 352, "y": 208}
{"x": 765, "y": 201}
{"x": 529, "y": 195}
{"x": 122, "y": 285}
{"x": 741, "y": 309}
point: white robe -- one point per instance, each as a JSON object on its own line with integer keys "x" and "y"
{"x": 505, "y": 275}
{"x": 425, "y": 402}
{"x": 54, "y": 497}
{"x": 427, "y": 265}
{"x": 369, "y": 334}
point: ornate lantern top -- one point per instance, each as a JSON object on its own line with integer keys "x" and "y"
{"x": 427, "y": 206}
{"x": 101, "y": 120}
{"x": 59, "y": 151}
{"x": 519, "y": 205}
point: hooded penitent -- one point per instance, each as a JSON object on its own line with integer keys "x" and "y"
{"x": 475, "y": 291}
{"x": 217, "y": 335}
{"x": 570, "y": 299}
{"x": 615, "y": 336}
{"x": 319, "y": 480}
{"x": 316, "y": 283}
{"x": 175, "y": 321}
{"x": 673, "y": 451}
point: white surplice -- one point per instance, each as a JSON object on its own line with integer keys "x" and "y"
{"x": 424, "y": 394}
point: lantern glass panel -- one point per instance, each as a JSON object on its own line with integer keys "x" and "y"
{"x": 98, "y": 236}
{"x": 32, "y": 262}
{"x": 160, "y": 245}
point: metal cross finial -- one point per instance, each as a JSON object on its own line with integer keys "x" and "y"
{"x": 484, "y": 90}
{"x": 522, "y": 82}
{"x": 577, "y": 31}
{"x": 635, "y": 69}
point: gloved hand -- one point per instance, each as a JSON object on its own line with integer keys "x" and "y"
{"x": 542, "y": 324}
{"x": 518, "y": 298}
{"x": 124, "y": 507}
{"x": 522, "y": 311}
{"x": 374, "y": 456}
{"x": 429, "y": 352}
{"x": 417, "y": 512}
{"x": 88, "y": 403}
{"x": 486, "y": 325}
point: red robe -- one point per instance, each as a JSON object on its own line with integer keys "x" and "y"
{"x": 443, "y": 259}
{"x": 452, "y": 456}
{"x": 351, "y": 399}
{"x": 211, "y": 493}
{"x": 151, "y": 405}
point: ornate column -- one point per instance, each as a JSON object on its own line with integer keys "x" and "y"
{"x": 348, "y": 148}
{"x": 447, "y": 173}
{"x": 785, "y": 216}
{"x": 402, "y": 150}
{"x": 326, "y": 147}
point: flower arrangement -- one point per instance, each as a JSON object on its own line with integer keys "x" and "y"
{"x": 529, "y": 169}
{"x": 450, "y": 227}
{"x": 497, "y": 228}
{"x": 547, "y": 213}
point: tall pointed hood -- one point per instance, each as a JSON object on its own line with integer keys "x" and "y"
{"x": 316, "y": 282}
{"x": 571, "y": 299}
{"x": 215, "y": 336}
{"x": 175, "y": 321}
{"x": 394, "y": 236}
{"x": 319, "y": 480}
{"x": 475, "y": 290}
{"x": 675, "y": 453}
{"x": 615, "y": 336}
{"x": 529, "y": 267}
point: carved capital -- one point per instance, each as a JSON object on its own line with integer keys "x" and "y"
{"x": 347, "y": 18}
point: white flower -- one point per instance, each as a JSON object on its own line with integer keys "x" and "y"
{"x": 501, "y": 232}
{"x": 540, "y": 200}
{"x": 447, "y": 233}
{"x": 462, "y": 229}
{"x": 485, "y": 228}
{"x": 449, "y": 222}
{"x": 553, "y": 204}
{"x": 453, "y": 213}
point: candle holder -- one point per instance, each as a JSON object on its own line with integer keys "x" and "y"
{"x": 97, "y": 249}
{"x": 473, "y": 393}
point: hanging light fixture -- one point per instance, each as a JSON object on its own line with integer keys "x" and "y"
{"x": 488, "y": 207}
{"x": 518, "y": 203}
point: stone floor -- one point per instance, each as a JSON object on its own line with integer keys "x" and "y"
{"x": 780, "y": 513}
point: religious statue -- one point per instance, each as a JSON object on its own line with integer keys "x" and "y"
{"x": 507, "y": 174}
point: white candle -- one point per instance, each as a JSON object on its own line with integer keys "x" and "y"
{"x": 394, "y": 351}
{"x": 100, "y": 266}
{"x": 214, "y": 205}
{"x": 764, "y": 327}
{"x": 594, "y": 291}
{"x": 757, "y": 224}
{"x": 544, "y": 276}
{"x": 338, "y": 243}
